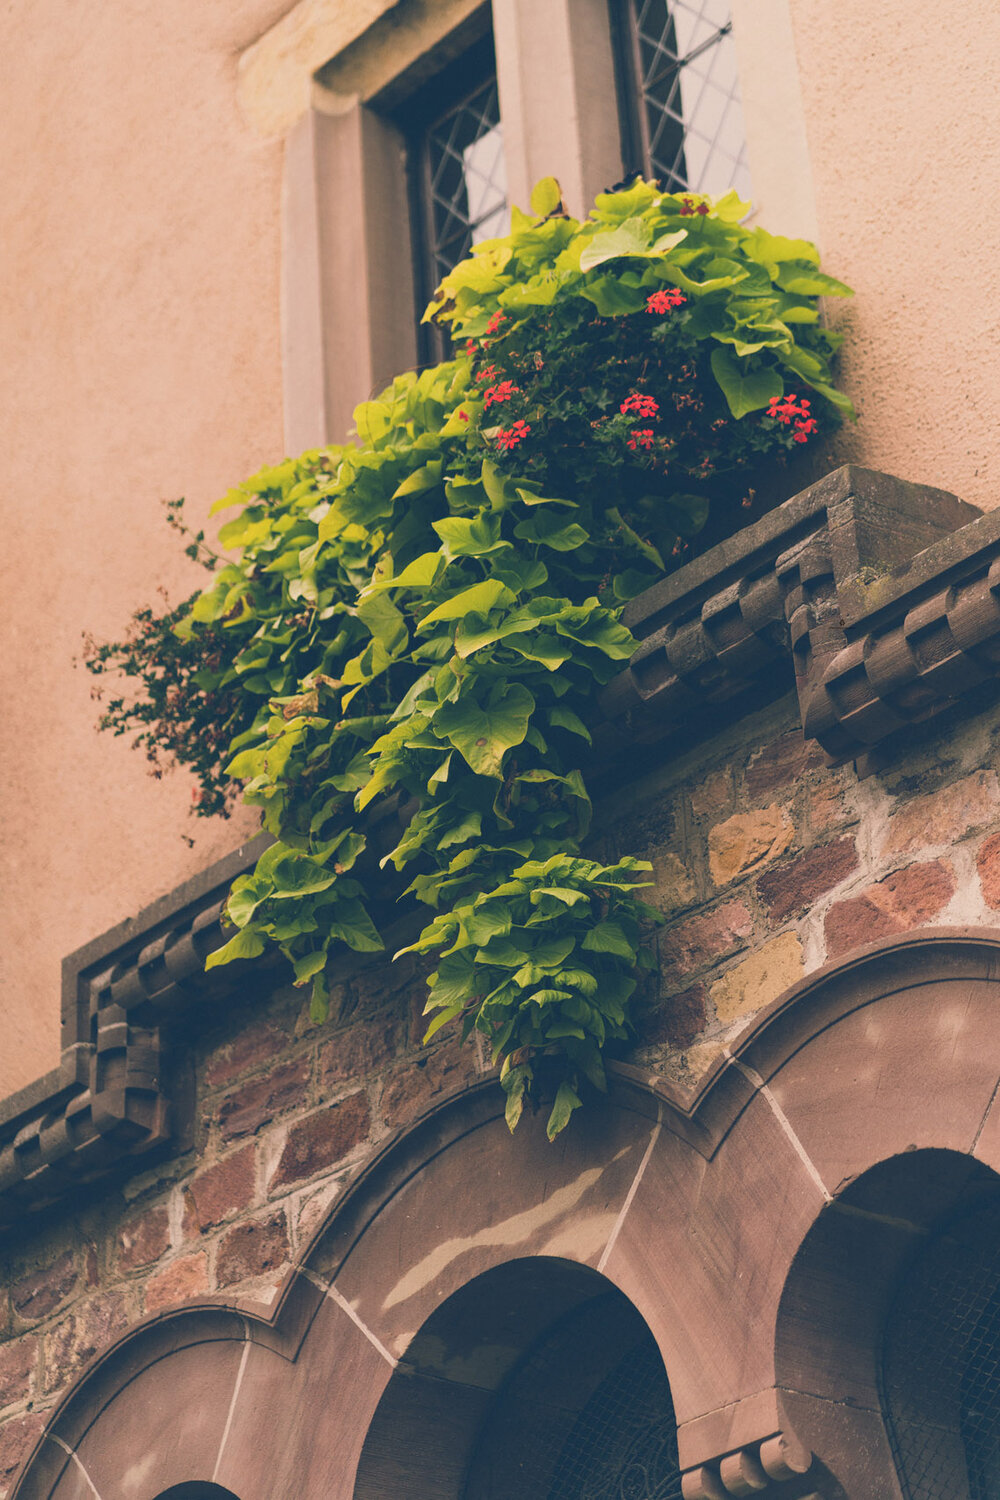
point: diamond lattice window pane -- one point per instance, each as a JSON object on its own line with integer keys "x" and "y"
{"x": 689, "y": 98}
{"x": 467, "y": 178}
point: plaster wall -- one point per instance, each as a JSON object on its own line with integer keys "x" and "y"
{"x": 139, "y": 306}
{"x": 903, "y": 140}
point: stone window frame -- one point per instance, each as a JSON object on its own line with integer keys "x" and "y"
{"x": 321, "y": 78}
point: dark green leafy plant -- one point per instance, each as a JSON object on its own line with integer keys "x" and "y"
{"x": 427, "y": 613}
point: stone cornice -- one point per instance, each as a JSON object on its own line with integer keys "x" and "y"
{"x": 878, "y": 599}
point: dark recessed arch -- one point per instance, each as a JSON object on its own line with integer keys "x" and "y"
{"x": 839, "y": 1302}
{"x": 196, "y": 1489}
{"x": 533, "y": 1370}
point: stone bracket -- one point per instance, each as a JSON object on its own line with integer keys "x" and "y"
{"x": 880, "y": 600}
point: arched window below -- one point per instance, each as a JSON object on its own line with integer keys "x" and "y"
{"x": 538, "y": 1380}
{"x": 941, "y": 1365}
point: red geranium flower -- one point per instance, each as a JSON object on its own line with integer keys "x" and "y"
{"x": 666, "y": 301}
{"x": 509, "y": 437}
{"x": 503, "y": 391}
{"x": 641, "y": 438}
{"x": 495, "y": 321}
{"x": 642, "y": 406}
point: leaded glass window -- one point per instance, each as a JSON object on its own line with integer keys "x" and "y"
{"x": 682, "y": 118}
{"x": 458, "y": 172}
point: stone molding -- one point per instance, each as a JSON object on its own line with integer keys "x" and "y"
{"x": 757, "y": 1415}
{"x": 880, "y": 598}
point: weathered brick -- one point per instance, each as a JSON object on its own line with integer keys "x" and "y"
{"x": 143, "y": 1238}
{"x": 759, "y": 978}
{"x": 249, "y": 1049}
{"x": 246, "y": 1109}
{"x": 40, "y": 1292}
{"x": 796, "y": 885}
{"x": 323, "y": 1139}
{"x": 673, "y": 884}
{"x": 902, "y": 901}
{"x": 676, "y": 1020}
{"x": 82, "y": 1335}
{"x": 220, "y": 1191}
{"x": 710, "y": 796}
{"x": 357, "y": 1051}
{"x": 180, "y": 1281}
{"x": 746, "y": 841}
{"x": 17, "y": 1437}
{"x": 702, "y": 939}
{"x": 416, "y": 1082}
{"x": 18, "y": 1359}
{"x": 782, "y": 764}
{"x": 988, "y": 864}
{"x": 944, "y": 815}
{"x": 252, "y": 1249}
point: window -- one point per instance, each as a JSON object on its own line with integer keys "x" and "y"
{"x": 458, "y": 179}
{"x": 681, "y": 116}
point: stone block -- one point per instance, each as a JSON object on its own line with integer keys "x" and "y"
{"x": 943, "y": 816}
{"x": 252, "y": 1249}
{"x": 18, "y": 1359}
{"x": 181, "y": 1281}
{"x": 143, "y": 1238}
{"x": 248, "y": 1108}
{"x": 759, "y": 978}
{"x": 782, "y": 764}
{"x": 417, "y": 1081}
{"x": 357, "y": 1051}
{"x": 747, "y": 841}
{"x": 794, "y": 886}
{"x": 17, "y": 1437}
{"x": 88, "y": 1330}
{"x": 220, "y": 1191}
{"x": 676, "y": 1021}
{"x": 909, "y": 898}
{"x": 39, "y": 1293}
{"x": 318, "y": 1142}
{"x": 249, "y": 1050}
{"x": 673, "y": 884}
{"x": 704, "y": 938}
{"x": 988, "y": 865}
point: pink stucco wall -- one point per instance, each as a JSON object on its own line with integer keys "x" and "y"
{"x": 140, "y": 235}
{"x": 903, "y": 132}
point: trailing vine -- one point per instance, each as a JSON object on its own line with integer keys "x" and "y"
{"x": 428, "y": 612}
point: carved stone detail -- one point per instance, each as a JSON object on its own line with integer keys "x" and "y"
{"x": 760, "y": 1468}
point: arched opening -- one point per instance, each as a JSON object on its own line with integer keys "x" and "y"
{"x": 892, "y": 1308}
{"x": 196, "y": 1489}
{"x": 538, "y": 1380}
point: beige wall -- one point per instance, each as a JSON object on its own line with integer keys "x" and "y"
{"x": 141, "y": 291}
{"x": 903, "y": 132}
{"x": 139, "y": 225}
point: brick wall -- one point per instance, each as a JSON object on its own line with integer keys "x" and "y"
{"x": 767, "y": 863}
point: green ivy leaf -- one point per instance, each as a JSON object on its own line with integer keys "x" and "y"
{"x": 483, "y": 734}
{"x": 745, "y": 391}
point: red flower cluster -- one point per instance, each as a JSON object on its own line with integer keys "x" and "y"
{"x": 503, "y": 391}
{"x": 661, "y": 302}
{"x": 641, "y": 438}
{"x": 495, "y": 321}
{"x": 787, "y": 410}
{"x": 643, "y": 406}
{"x": 509, "y": 437}
{"x": 486, "y": 375}
{"x": 689, "y": 208}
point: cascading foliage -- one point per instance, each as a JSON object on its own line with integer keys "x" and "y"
{"x": 428, "y": 612}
